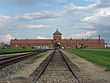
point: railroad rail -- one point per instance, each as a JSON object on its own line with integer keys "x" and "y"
{"x": 16, "y": 52}
{"x": 17, "y": 58}
{"x": 55, "y": 69}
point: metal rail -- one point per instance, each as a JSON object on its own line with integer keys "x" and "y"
{"x": 16, "y": 52}
{"x": 44, "y": 67}
{"x": 14, "y": 59}
{"x": 12, "y": 56}
{"x": 69, "y": 66}
{"x": 48, "y": 61}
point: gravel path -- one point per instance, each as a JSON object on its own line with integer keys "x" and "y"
{"x": 57, "y": 72}
{"x": 94, "y": 72}
{"x": 19, "y": 72}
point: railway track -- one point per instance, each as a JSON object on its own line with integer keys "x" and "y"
{"x": 16, "y": 52}
{"x": 17, "y": 58}
{"x": 55, "y": 69}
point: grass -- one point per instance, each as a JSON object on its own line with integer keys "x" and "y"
{"x": 98, "y": 49}
{"x": 16, "y": 50}
{"x": 105, "y": 48}
{"x": 34, "y": 59}
{"x": 97, "y": 57}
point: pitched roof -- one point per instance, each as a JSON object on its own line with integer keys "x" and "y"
{"x": 63, "y": 41}
{"x": 82, "y": 41}
{"x": 43, "y": 41}
{"x": 57, "y": 33}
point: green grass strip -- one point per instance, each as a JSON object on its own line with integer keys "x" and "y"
{"x": 16, "y": 50}
{"x": 34, "y": 59}
{"x": 97, "y": 57}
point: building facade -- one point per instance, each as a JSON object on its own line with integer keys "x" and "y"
{"x": 57, "y": 39}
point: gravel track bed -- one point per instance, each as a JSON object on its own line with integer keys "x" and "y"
{"x": 7, "y": 55}
{"x": 86, "y": 71}
{"x": 5, "y": 73}
{"x": 57, "y": 72}
{"x": 19, "y": 72}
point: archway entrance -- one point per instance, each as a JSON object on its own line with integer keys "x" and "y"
{"x": 57, "y": 45}
{"x": 79, "y": 46}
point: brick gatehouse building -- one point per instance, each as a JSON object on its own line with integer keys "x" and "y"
{"x": 57, "y": 38}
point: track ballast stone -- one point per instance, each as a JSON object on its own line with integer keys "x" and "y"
{"x": 57, "y": 71}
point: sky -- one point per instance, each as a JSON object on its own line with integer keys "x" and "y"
{"x": 38, "y": 19}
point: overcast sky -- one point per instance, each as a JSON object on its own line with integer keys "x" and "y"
{"x": 37, "y": 19}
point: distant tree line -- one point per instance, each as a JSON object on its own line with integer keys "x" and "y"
{"x": 4, "y": 45}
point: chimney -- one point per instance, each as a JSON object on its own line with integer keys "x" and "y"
{"x": 82, "y": 39}
{"x": 99, "y": 40}
{"x": 99, "y": 37}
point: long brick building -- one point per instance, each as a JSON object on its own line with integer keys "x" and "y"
{"x": 57, "y": 39}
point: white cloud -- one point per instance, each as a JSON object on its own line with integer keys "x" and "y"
{"x": 29, "y": 2}
{"x": 90, "y": 0}
{"x": 85, "y": 34}
{"x": 71, "y": 8}
{"x": 103, "y": 3}
{"x": 41, "y": 37}
{"x": 38, "y": 15}
{"x": 37, "y": 26}
{"x": 5, "y": 21}
{"x": 5, "y": 18}
{"x": 104, "y": 12}
{"x": 23, "y": 1}
{"x": 6, "y": 38}
{"x": 8, "y": 22}
{"x": 96, "y": 17}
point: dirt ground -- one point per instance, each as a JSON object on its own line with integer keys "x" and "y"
{"x": 31, "y": 67}
{"x": 23, "y": 76}
{"x": 95, "y": 71}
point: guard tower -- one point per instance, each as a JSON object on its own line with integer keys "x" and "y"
{"x": 57, "y": 35}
